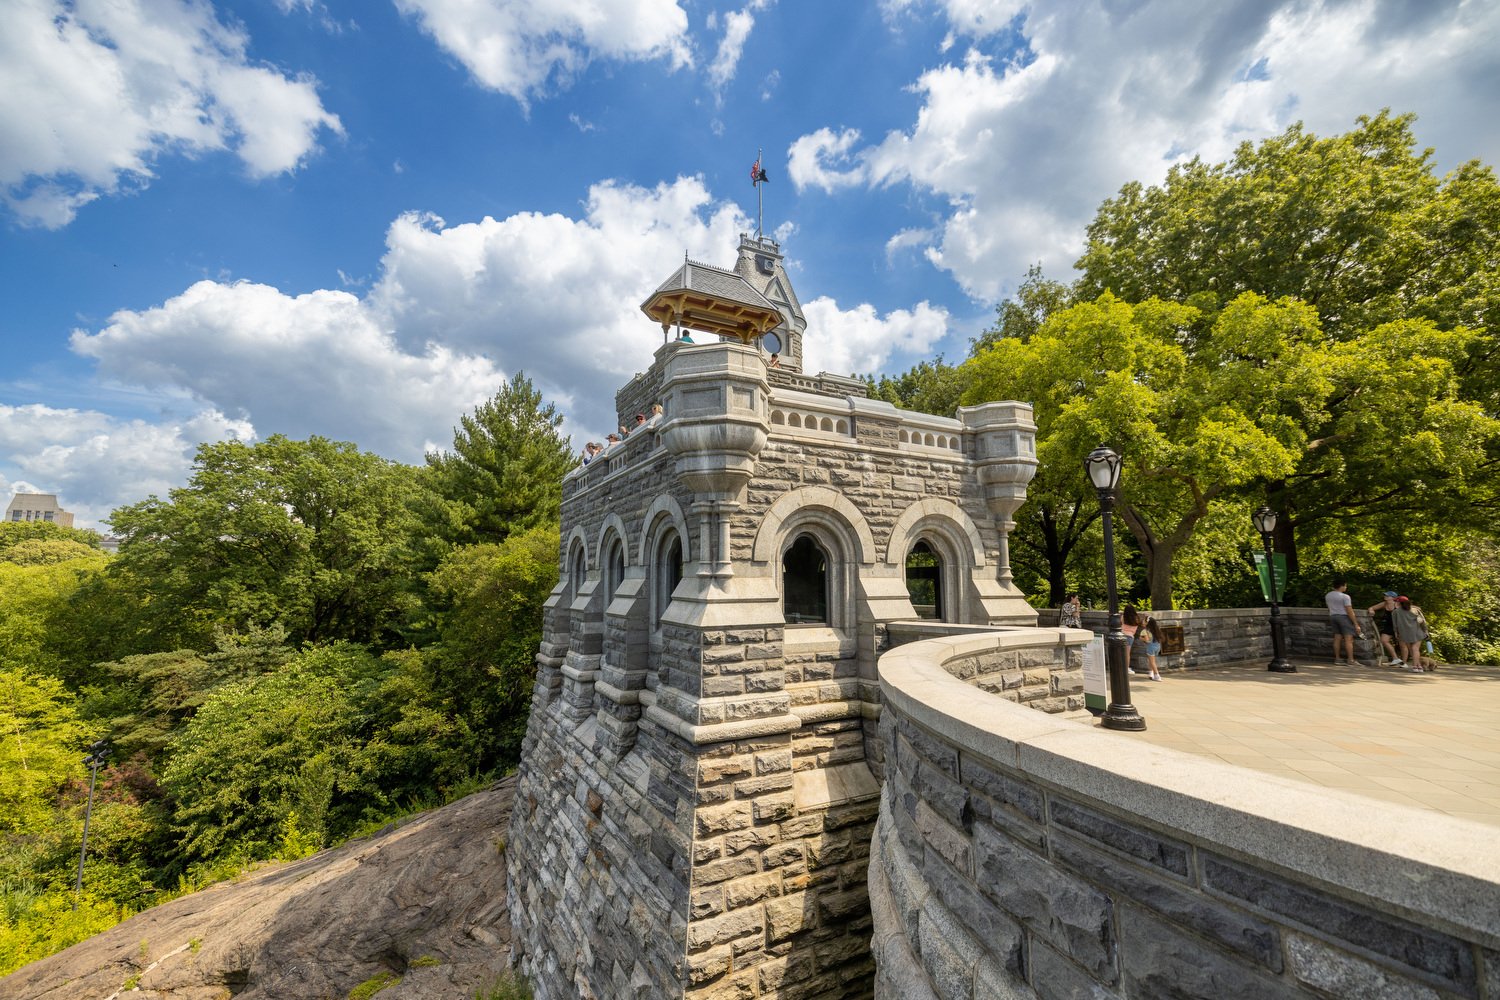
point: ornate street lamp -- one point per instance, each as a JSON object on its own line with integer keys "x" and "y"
{"x": 98, "y": 750}
{"x": 1265, "y": 523}
{"x": 1103, "y": 467}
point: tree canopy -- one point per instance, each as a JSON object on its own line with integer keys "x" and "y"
{"x": 506, "y": 466}
{"x": 315, "y": 535}
{"x": 1339, "y": 361}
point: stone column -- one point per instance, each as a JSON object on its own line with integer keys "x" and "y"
{"x": 1005, "y": 456}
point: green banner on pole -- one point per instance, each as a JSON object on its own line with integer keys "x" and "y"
{"x": 1265, "y": 579}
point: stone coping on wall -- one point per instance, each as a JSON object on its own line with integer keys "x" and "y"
{"x": 1436, "y": 870}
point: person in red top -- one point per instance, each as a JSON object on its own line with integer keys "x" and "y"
{"x": 1131, "y": 623}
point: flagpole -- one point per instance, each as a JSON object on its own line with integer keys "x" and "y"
{"x": 760, "y": 204}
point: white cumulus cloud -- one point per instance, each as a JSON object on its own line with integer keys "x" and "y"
{"x": 859, "y": 341}
{"x": 93, "y": 92}
{"x": 1022, "y": 149}
{"x": 95, "y": 462}
{"x": 523, "y": 47}
{"x": 454, "y": 310}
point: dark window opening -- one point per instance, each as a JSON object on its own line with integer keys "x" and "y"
{"x": 804, "y": 582}
{"x": 579, "y": 569}
{"x": 616, "y": 568}
{"x": 668, "y": 573}
{"x": 924, "y": 581}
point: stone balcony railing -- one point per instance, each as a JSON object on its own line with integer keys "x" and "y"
{"x": 1020, "y": 854}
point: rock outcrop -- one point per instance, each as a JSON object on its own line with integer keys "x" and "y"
{"x": 423, "y": 900}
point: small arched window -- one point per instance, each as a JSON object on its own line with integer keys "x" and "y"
{"x": 924, "y": 581}
{"x": 666, "y": 574}
{"x": 616, "y": 568}
{"x": 577, "y": 571}
{"x": 804, "y": 582}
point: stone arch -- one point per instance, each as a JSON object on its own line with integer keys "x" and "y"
{"x": 612, "y": 533}
{"x": 664, "y": 506}
{"x": 943, "y": 517}
{"x": 805, "y": 504}
{"x": 577, "y": 543}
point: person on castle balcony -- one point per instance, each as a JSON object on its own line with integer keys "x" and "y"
{"x": 655, "y": 415}
{"x": 610, "y": 441}
{"x": 640, "y": 421}
{"x": 775, "y": 361}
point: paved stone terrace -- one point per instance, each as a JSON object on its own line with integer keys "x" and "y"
{"x": 1427, "y": 740}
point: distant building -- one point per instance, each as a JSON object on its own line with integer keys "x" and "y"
{"x": 38, "y": 507}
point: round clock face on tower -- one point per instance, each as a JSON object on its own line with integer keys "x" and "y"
{"x": 771, "y": 343}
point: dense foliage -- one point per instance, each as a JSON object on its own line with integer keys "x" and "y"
{"x": 300, "y": 643}
{"x": 1311, "y": 325}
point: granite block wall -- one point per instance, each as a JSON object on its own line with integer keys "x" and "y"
{"x": 1017, "y": 857}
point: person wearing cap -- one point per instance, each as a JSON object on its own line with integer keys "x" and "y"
{"x": 1341, "y": 617}
{"x": 1380, "y": 614}
{"x": 640, "y": 421}
{"x": 1409, "y": 633}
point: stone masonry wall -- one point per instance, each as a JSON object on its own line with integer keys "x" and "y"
{"x": 1217, "y": 636}
{"x": 1020, "y": 857}
{"x": 699, "y": 785}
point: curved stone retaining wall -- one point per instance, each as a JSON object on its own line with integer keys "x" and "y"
{"x": 1018, "y": 854}
{"x": 1216, "y": 636}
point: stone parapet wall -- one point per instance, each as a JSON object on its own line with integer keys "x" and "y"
{"x": 1217, "y": 636}
{"x": 1022, "y": 855}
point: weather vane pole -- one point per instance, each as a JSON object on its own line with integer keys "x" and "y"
{"x": 758, "y": 177}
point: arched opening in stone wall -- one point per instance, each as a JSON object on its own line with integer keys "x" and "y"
{"x": 577, "y": 571}
{"x": 804, "y": 581}
{"x": 666, "y": 574}
{"x": 924, "y": 582}
{"x": 614, "y": 568}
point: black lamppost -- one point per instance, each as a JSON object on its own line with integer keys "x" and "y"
{"x": 1103, "y": 467}
{"x": 98, "y": 750}
{"x": 1265, "y": 523}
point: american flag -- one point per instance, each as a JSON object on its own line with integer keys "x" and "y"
{"x": 758, "y": 173}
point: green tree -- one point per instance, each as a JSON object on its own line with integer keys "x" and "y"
{"x": 1400, "y": 266}
{"x": 33, "y": 596}
{"x": 14, "y": 533}
{"x": 41, "y": 737}
{"x": 1191, "y": 425}
{"x": 485, "y": 657}
{"x": 161, "y": 691}
{"x": 272, "y": 751}
{"x": 1357, "y": 225}
{"x": 1023, "y": 314}
{"x": 928, "y": 387}
{"x": 315, "y": 535}
{"x": 506, "y": 466}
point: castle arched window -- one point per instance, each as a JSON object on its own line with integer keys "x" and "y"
{"x": 577, "y": 572}
{"x": 924, "y": 581}
{"x": 615, "y": 568}
{"x": 666, "y": 574}
{"x": 804, "y": 582}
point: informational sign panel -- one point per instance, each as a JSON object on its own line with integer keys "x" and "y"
{"x": 1095, "y": 677}
{"x": 1265, "y": 579}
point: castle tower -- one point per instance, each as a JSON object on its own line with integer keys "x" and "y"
{"x": 701, "y": 772}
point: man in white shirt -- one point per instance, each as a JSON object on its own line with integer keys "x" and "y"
{"x": 1341, "y": 617}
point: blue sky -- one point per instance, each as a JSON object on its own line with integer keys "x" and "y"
{"x": 357, "y": 219}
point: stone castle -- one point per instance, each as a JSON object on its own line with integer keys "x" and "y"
{"x": 723, "y": 794}
{"x": 701, "y": 774}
